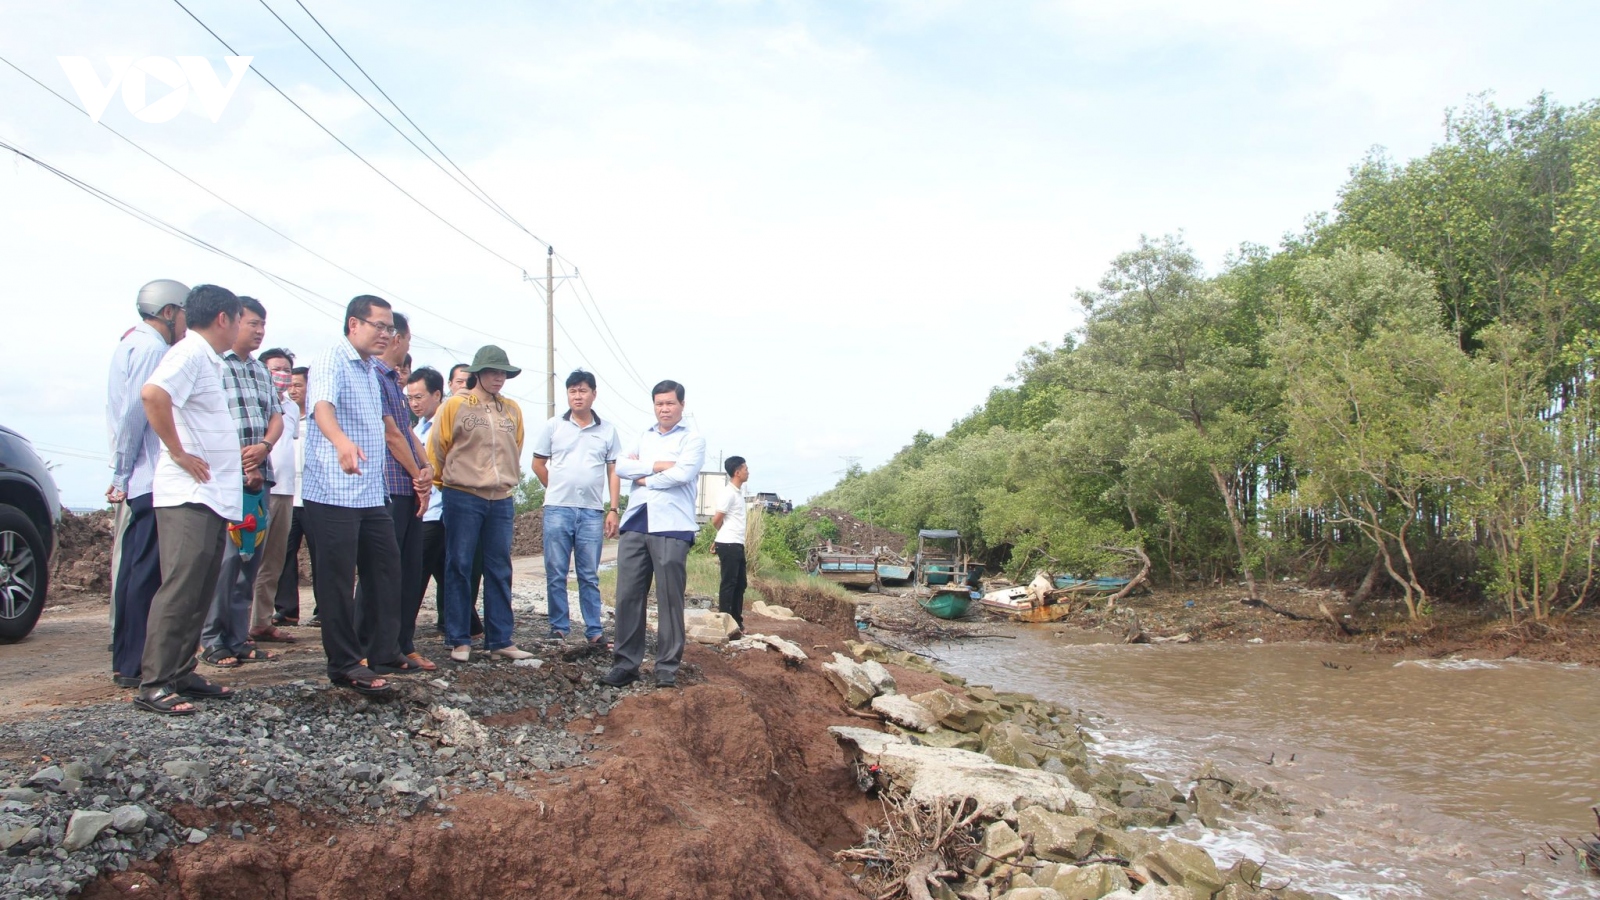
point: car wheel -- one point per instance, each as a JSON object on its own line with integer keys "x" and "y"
{"x": 24, "y": 574}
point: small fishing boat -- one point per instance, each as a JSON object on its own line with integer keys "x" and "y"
{"x": 1101, "y": 585}
{"x": 841, "y": 566}
{"x": 949, "y": 602}
{"x": 894, "y": 571}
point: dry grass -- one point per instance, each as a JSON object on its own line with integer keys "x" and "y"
{"x": 915, "y": 842}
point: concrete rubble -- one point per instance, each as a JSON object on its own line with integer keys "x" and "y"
{"x": 1053, "y": 822}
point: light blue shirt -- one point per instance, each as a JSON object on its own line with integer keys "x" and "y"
{"x": 342, "y": 378}
{"x": 669, "y": 494}
{"x": 134, "y": 446}
{"x": 435, "y": 510}
{"x": 578, "y": 458}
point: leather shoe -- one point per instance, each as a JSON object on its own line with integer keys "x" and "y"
{"x": 666, "y": 681}
{"x": 619, "y": 677}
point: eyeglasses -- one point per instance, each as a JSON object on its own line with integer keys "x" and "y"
{"x": 382, "y": 327}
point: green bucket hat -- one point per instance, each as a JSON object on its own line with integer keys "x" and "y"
{"x": 491, "y": 357}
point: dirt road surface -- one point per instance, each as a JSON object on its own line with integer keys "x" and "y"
{"x": 64, "y": 662}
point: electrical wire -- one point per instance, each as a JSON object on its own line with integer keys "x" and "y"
{"x": 484, "y": 194}
{"x": 493, "y": 207}
{"x": 627, "y": 368}
{"x": 340, "y": 141}
{"x": 240, "y": 210}
{"x": 578, "y": 274}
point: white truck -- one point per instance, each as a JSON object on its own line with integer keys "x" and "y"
{"x": 706, "y": 494}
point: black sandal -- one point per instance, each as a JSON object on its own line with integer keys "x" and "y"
{"x": 601, "y": 642}
{"x": 201, "y": 688}
{"x": 165, "y": 702}
{"x": 215, "y": 657}
{"x": 402, "y": 666}
{"x": 252, "y": 653}
{"x": 362, "y": 680}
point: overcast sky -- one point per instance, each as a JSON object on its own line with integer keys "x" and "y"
{"x": 835, "y": 223}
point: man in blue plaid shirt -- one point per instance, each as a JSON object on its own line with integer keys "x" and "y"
{"x": 346, "y": 504}
{"x": 254, "y": 403}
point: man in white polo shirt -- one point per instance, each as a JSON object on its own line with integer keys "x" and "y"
{"x": 575, "y": 458}
{"x": 729, "y": 542}
{"x": 197, "y": 493}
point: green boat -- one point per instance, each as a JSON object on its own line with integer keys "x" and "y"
{"x": 949, "y": 603}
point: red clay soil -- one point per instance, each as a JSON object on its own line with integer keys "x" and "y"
{"x": 729, "y": 787}
{"x": 83, "y": 557}
{"x": 527, "y": 534}
{"x": 855, "y": 533}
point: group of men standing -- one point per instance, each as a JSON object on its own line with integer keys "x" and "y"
{"x": 224, "y": 461}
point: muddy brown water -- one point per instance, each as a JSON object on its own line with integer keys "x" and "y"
{"x": 1410, "y": 778}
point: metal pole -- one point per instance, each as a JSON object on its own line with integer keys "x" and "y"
{"x": 550, "y": 332}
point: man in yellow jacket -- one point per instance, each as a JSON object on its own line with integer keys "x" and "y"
{"x": 476, "y": 450}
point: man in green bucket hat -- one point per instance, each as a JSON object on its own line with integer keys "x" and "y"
{"x": 476, "y": 450}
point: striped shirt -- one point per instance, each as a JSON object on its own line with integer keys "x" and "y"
{"x": 252, "y": 399}
{"x": 435, "y": 511}
{"x": 342, "y": 379}
{"x": 395, "y": 477}
{"x": 191, "y": 374}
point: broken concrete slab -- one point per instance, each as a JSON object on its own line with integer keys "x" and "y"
{"x": 1056, "y": 836}
{"x": 704, "y": 626}
{"x": 905, "y": 712}
{"x": 954, "y": 713}
{"x": 882, "y": 681}
{"x": 762, "y": 608}
{"x": 1000, "y": 842}
{"x": 457, "y": 729}
{"x": 851, "y": 679}
{"x": 1181, "y": 865}
{"x": 1090, "y": 882}
{"x": 937, "y": 775}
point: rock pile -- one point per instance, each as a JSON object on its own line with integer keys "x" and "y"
{"x": 1048, "y": 821}
{"x": 312, "y": 747}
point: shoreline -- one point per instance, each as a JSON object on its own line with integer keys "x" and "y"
{"x": 499, "y": 780}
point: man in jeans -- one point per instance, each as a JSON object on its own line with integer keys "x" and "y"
{"x": 346, "y": 504}
{"x": 258, "y": 413}
{"x": 575, "y": 458}
{"x": 196, "y": 494}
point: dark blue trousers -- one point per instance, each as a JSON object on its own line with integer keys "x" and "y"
{"x": 138, "y": 577}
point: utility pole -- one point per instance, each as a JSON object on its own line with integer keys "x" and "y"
{"x": 550, "y": 332}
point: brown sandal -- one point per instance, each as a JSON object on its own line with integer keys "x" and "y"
{"x": 273, "y": 636}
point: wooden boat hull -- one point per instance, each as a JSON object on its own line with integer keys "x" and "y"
{"x": 947, "y": 604}
{"x": 895, "y": 574}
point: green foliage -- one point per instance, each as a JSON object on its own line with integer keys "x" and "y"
{"x": 1413, "y": 372}
{"x": 529, "y": 495}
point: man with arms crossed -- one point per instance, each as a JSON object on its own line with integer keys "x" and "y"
{"x": 663, "y": 465}
{"x": 134, "y": 451}
{"x": 197, "y": 493}
{"x": 575, "y": 458}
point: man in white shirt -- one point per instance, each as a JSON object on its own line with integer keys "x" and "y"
{"x": 575, "y": 458}
{"x": 280, "y": 501}
{"x": 287, "y": 602}
{"x": 196, "y": 494}
{"x": 729, "y": 543}
{"x": 136, "y": 565}
{"x": 663, "y": 465}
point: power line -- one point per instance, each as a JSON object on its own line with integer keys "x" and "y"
{"x": 494, "y": 207}
{"x": 293, "y": 289}
{"x": 240, "y": 210}
{"x": 325, "y": 130}
{"x": 616, "y": 352}
{"x": 578, "y": 274}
